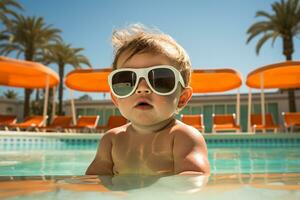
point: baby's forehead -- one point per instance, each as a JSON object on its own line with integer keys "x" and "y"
{"x": 142, "y": 60}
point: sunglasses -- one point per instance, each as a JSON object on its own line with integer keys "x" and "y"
{"x": 162, "y": 80}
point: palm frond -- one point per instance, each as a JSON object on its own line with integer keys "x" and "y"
{"x": 261, "y": 41}
{"x": 263, "y": 14}
{"x": 32, "y": 35}
{"x": 274, "y": 37}
{"x": 7, "y": 10}
{"x": 259, "y": 28}
{"x": 63, "y": 54}
{"x": 283, "y": 22}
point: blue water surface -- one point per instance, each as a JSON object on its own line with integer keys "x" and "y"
{"x": 72, "y": 158}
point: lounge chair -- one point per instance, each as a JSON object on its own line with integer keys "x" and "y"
{"x": 6, "y": 120}
{"x": 256, "y": 123}
{"x": 30, "y": 123}
{"x": 84, "y": 124}
{"x": 291, "y": 120}
{"x": 194, "y": 120}
{"x": 59, "y": 124}
{"x": 113, "y": 122}
{"x": 224, "y": 122}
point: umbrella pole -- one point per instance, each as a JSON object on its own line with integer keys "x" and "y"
{"x": 249, "y": 110}
{"x": 73, "y": 107}
{"x": 262, "y": 99}
{"x": 238, "y": 112}
{"x": 53, "y": 103}
{"x": 46, "y": 101}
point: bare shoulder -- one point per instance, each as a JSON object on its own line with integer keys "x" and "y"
{"x": 115, "y": 132}
{"x": 184, "y": 131}
{"x": 189, "y": 150}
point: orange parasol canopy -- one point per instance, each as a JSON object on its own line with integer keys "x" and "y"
{"x": 280, "y": 75}
{"x": 88, "y": 80}
{"x": 25, "y": 74}
{"x": 202, "y": 81}
{"x": 215, "y": 80}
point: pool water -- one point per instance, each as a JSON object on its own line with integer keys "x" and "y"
{"x": 255, "y": 160}
{"x": 243, "y": 167}
{"x": 191, "y": 187}
{"x": 73, "y": 159}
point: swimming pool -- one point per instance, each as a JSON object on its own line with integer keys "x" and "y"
{"x": 50, "y": 166}
{"x": 52, "y": 154}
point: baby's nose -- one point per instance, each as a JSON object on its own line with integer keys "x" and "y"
{"x": 143, "y": 88}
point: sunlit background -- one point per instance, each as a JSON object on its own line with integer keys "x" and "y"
{"x": 213, "y": 32}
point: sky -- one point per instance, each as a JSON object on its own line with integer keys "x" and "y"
{"x": 213, "y": 32}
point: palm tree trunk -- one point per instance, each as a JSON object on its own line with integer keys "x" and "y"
{"x": 50, "y": 107}
{"x": 28, "y": 57}
{"x": 292, "y": 103}
{"x": 37, "y": 95}
{"x": 288, "y": 49}
{"x": 27, "y": 93}
{"x": 37, "y": 108}
{"x": 60, "y": 89}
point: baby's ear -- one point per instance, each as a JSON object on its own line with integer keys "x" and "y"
{"x": 114, "y": 99}
{"x": 185, "y": 96}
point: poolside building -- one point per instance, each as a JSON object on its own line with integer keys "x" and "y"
{"x": 276, "y": 103}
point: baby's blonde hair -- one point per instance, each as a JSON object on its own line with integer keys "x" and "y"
{"x": 137, "y": 39}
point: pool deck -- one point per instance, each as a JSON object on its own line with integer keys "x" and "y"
{"x": 243, "y": 135}
{"x": 219, "y": 186}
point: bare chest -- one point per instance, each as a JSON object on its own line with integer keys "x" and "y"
{"x": 143, "y": 155}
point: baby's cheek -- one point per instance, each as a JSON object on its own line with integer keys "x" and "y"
{"x": 125, "y": 108}
{"x": 169, "y": 102}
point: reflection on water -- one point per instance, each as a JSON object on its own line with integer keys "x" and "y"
{"x": 178, "y": 183}
{"x": 222, "y": 186}
{"x": 117, "y": 186}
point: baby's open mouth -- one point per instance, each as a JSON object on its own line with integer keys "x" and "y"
{"x": 143, "y": 105}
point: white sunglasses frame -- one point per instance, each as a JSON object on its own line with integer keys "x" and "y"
{"x": 143, "y": 73}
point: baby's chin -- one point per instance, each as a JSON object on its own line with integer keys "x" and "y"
{"x": 148, "y": 117}
{"x": 151, "y": 122}
{"x": 144, "y": 122}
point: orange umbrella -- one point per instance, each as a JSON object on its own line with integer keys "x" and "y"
{"x": 88, "y": 80}
{"x": 215, "y": 80}
{"x": 25, "y": 74}
{"x": 280, "y": 75}
{"x": 202, "y": 81}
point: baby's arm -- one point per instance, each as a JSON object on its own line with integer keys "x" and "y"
{"x": 190, "y": 152}
{"x": 102, "y": 164}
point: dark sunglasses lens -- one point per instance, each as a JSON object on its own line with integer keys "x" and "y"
{"x": 123, "y": 82}
{"x": 162, "y": 80}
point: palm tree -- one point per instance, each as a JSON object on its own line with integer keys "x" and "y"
{"x": 29, "y": 36}
{"x": 63, "y": 54}
{"x": 283, "y": 23}
{"x": 10, "y": 94}
{"x": 7, "y": 10}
